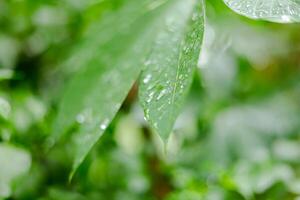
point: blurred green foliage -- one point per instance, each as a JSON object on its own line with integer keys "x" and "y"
{"x": 237, "y": 138}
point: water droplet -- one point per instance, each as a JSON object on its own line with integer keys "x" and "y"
{"x": 80, "y": 118}
{"x": 147, "y": 78}
{"x": 279, "y": 11}
{"x": 146, "y": 114}
{"x": 104, "y": 124}
{"x": 150, "y": 97}
{"x": 161, "y": 94}
{"x": 285, "y": 18}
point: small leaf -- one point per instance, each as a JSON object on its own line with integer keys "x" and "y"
{"x": 170, "y": 66}
{"x": 109, "y": 61}
{"x": 282, "y": 11}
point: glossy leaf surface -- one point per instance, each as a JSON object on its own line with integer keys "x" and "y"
{"x": 282, "y": 11}
{"x": 170, "y": 66}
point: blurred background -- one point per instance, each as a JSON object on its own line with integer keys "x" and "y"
{"x": 237, "y": 138}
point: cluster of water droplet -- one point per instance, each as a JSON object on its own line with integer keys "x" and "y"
{"x": 86, "y": 117}
{"x": 280, "y": 10}
{"x": 169, "y": 67}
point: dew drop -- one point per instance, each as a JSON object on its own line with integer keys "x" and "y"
{"x": 285, "y": 18}
{"x": 161, "y": 94}
{"x": 147, "y": 78}
{"x": 104, "y": 124}
{"x": 146, "y": 114}
{"x": 80, "y": 118}
{"x": 150, "y": 97}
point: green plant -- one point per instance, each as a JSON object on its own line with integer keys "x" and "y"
{"x": 196, "y": 101}
{"x": 157, "y": 44}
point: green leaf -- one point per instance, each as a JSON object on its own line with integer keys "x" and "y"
{"x": 14, "y": 163}
{"x": 6, "y": 74}
{"x": 109, "y": 61}
{"x": 166, "y": 80}
{"x": 282, "y": 11}
{"x": 5, "y": 108}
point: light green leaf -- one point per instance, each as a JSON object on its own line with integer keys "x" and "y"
{"x": 170, "y": 66}
{"x": 109, "y": 62}
{"x": 282, "y": 11}
{"x": 13, "y": 163}
{"x": 6, "y": 74}
{"x": 4, "y": 108}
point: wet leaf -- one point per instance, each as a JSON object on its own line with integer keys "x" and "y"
{"x": 282, "y": 11}
{"x": 170, "y": 66}
{"x": 109, "y": 62}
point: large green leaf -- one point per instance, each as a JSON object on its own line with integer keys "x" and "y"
{"x": 110, "y": 60}
{"x": 170, "y": 66}
{"x": 283, "y": 11}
